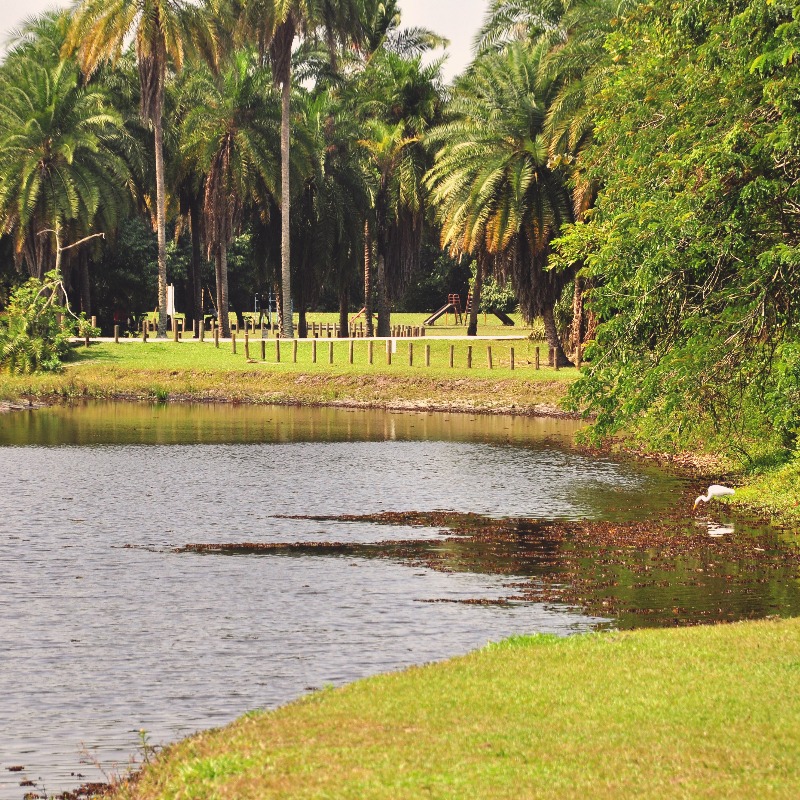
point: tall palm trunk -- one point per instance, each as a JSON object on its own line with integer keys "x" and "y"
{"x": 472, "y": 328}
{"x": 194, "y": 271}
{"x": 551, "y": 334}
{"x": 222, "y": 289}
{"x": 384, "y": 322}
{"x": 368, "y": 279}
{"x": 86, "y": 290}
{"x": 161, "y": 224}
{"x": 344, "y": 322}
{"x": 286, "y": 264}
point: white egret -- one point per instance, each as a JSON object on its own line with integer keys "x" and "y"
{"x": 715, "y": 490}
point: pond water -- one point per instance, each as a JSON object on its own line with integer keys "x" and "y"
{"x": 110, "y": 626}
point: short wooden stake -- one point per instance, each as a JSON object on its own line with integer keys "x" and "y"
{"x": 469, "y": 357}
{"x": 294, "y": 351}
{"x": 174, "y": 329}
{"x": 116, "y": 334}
{"x": 369, "y": 350}
{"x": 233, "y": 342}
{"x": 452, "y": 355}
{"x": 246, "y": 344}
{"x": 86, "y": 341}
{"x": 263, "y": 350}
{"x": 411, "y": 354}
{"x": 512, "y": 359}
{"x": 330, "y": 352}
{"x": 536, "y": 362}
{"x": 427, "y": 355}
{"x": 314, "y": 351}
{"x": 388, "y": 351}
{"x": 144, "y": 331}
{"x": 350, "y": 351}
{"x": 278, "y": 349}
{"x": 489, "y": 356}
{"x": 201, "y": 330}
{"x": 216, "y": 334}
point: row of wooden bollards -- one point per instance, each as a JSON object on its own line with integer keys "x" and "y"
{"x": 293, "y": 345}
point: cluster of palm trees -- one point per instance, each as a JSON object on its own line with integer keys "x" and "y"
{"x": 316, "y": 125}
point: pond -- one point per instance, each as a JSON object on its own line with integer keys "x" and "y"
{"x": 167, "y": 568}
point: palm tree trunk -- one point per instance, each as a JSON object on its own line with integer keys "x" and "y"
{"x": 472, "y": 328}
{"x": 286, "y": 264}
{"x": 384, "y": 326}
{"x": 551, "y": 334}
{"x": 222, "y": 290}
{"x": 368, "y": 279}
{"x": 194, "y": 272}
{"x": 344, "y": 322}
{"x": 161, "y": 224}
{"x": 86, "y": 290}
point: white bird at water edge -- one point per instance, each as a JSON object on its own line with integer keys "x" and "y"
{"x": 715, "y": 490}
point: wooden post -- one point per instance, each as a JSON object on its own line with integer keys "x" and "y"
{"x": 233, "y": 342}
{"x": 86, "y": 341}
{"x": 278, "y": 349}
{"x": 350, "y": 351}
{"x": 174, "y": 329}
{"x": 411, "y": 354}
{"x": 201, "y": 330}
{"x": 452, "y": 355}
{"x": 328, "y": 330}
{"x": 427, "y": 355}
{"x": 294, "y": 351}
{"x": 144, "y": 330}
{"x": 388, "y": 351}
{"x": 94, "y": 321}
{"x": 216, "y": 334}
{"x": 361, "y": 329}
{"x": 489, "y": 356}
{"x": 330, "y": 352}
{"x": 314, "y": 350}
{"x": 246, "y": 344}
{"x": 369, "y": 350}
{"x": 512, "y": 359}
{"x": 263, "y": 350}
{"x": 422, "y": 331}
{"x": 469, "y": 356}
{"x": 116, "y": 334}
{"x": 537, "y": 358}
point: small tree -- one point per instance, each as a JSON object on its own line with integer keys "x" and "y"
{"x": 36, "y": 328}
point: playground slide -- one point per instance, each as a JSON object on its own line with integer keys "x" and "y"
{"x": 440, "y": 313}
{"x": 503, "y": 317}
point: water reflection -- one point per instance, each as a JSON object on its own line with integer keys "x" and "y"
{"x": 106, "y": 629}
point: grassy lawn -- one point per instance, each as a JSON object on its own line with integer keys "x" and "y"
{"x": 708, "y": 712}
{"x": 201, "y": 371}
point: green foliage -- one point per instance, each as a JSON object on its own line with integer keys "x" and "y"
{"x": 32, "y": 335}
{"x": 693, "y": 244}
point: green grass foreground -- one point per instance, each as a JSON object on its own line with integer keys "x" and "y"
{"x": 203, "y": 372}
{"x": 707, "y": 712}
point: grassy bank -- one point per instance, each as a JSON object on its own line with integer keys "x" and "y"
{"x": 195, "y": 371}
{"x": 706, "y": 712}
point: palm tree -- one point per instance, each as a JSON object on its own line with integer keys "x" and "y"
{"x": 274, "y": 24}
{"x": 400, "y": 99}
{"x": 61, "y": 155}
{"x": 497, "y": 197}
{"x": 231, "y": 134}
{"x": 162, "y": 30}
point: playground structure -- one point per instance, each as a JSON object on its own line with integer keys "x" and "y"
{"x": 453, "y": 305}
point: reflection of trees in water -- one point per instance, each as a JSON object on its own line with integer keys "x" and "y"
{"x": 643, "y": 574}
